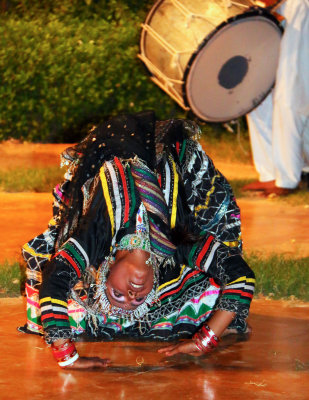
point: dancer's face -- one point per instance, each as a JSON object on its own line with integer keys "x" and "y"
{"x": 130, "y": 279}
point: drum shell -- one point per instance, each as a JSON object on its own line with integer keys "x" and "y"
{"x": 172, "y": 39}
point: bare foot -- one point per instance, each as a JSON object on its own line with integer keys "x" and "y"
{"x": 267, "y": 188}
{"x": 259, "y": 186}
{"x": 278, "y": 191}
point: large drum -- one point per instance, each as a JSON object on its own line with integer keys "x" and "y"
{"x": 215, "y": 57}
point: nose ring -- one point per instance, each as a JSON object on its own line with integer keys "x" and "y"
{"x": 131, "y": 294}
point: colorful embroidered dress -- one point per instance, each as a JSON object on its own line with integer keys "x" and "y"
{"x": 195, "y": 279}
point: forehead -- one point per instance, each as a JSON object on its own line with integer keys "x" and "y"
{"x": 118, "y": 273}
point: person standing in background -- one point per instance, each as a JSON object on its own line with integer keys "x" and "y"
{"x": 279, "y": 127}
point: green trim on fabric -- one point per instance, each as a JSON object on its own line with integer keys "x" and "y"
{"x": 56, "y": 323}
{"x": 155, "y": 199}
{"x": 144, "y": 172}
{"x": 79, "y": 259}
{"x": 162, "y": 249}
{"x": 81, "y": 324}
{"x": 245, "y": 301}
{"x": 190, "y": 313}
{"x": 191, "y": 254}
{"x": 169, "y": 319}
{"x": 238, "y": 298}
{"x": 183, "y": 147}
{"x": 132, "y": 190}
{"x": 36, "y": 320}
{"x": 197, "y": 278}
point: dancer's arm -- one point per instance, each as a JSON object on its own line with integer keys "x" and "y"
{"x": 217, "y": 324}
{"x": 66, "y": 355}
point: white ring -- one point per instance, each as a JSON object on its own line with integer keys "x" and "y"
{"x": 69, "y": 362}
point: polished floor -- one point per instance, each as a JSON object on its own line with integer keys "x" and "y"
{"x": 273, "y": 364}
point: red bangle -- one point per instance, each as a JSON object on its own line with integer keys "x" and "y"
{"x": 59, "y": 354}
{"x": 205, "y": 339}
{"x": 65, "y": 354}
{"x": 62, "y": 346}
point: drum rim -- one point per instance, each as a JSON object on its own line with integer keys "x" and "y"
{"x": 255, "y": 11}
{"x": 152, "y": 10}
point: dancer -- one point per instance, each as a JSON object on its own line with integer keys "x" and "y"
{"x": 145, "y": 242}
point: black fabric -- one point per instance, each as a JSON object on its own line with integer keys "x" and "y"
{"x": 124, "y": 136}
{"x": 94, "y": 230}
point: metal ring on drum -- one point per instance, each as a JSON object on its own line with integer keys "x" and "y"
{"x": 217, "y": 58}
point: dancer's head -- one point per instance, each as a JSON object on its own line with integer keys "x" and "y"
{"x": 130, "y": 279}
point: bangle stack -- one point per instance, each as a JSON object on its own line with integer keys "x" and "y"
{"x": 205, "y": 339}
{"x": 65, "y": 354}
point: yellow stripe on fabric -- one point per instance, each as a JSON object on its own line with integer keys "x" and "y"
{"x": 54, "y": 301}
{"x": 232, "y": 244}
{"x": 62, "y": 303}
{"x": 235, "y": 243}
{"x": 107, "y": 198}
{"x": 243, "y": 278}
{"x": 34, "y": 253}
{"x": 160, "y": 239}
{"x": 175, "y": 194}
{"x": 173, "y": 280}
{"x": 210, "y": 192}
{"x": 52, "y": 222}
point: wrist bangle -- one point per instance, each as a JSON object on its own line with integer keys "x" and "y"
{"x": 68, "y": 362}
{"x": 65, "y": 354}
{"x": 205, "y": 339}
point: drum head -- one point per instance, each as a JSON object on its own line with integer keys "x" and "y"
{"x": 234, "y": 69}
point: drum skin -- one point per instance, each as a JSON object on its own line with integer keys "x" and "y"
{"x": 219, "y": 61}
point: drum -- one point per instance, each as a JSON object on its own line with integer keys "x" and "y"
{"x": 215, "y": 57}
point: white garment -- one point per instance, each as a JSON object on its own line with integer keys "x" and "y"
{"x": 279, "y": 127}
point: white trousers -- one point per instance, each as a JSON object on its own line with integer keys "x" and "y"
{"x": 279, "y": 126}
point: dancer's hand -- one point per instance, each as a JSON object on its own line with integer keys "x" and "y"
{"x": 186, "y": 347}
{"x": 89, "y": 363}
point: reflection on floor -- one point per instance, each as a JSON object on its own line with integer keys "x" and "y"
{"x": 273, "y": 364}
